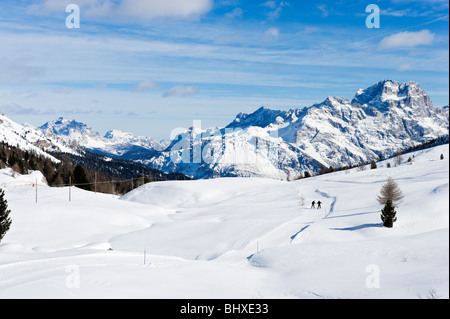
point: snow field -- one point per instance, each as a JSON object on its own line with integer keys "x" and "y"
{"x": 232, "y": 238}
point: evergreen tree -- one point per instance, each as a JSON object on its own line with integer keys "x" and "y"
{"x": 5, "y": 221}
{"x": 322, "y": 170}
{"x": 80, "y": 178}
{"x": 373, "y": 165}
{"x": 388, "y": 215}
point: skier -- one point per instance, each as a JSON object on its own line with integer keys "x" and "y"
{"x": 313, "y": 205}
{"x": 319, "y": 204}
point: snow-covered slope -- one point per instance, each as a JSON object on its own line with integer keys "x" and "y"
{"x": 11, "y": 179}
{"x": 381, "y": 120}
{"x": 27, "y": 138}
{"x": 233, "y": 238}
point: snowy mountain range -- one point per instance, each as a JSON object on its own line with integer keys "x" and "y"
{"x": 28, "y": 138}
{"x": 379, "y": 121}
{"x": 115, "y": 143}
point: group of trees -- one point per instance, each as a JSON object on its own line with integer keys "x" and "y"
{"x": 90, "y": 172}
{"x": 57, "y": 174}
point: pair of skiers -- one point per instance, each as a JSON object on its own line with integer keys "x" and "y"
{"x": 319, "y": 204}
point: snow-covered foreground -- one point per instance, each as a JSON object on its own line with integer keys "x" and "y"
{"x": 232, "y": 238}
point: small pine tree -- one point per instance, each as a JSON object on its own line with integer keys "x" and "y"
{"x": 322, "y": 170}
{"x": 302, "y": 200}
{"x": 373, "y": 165}
{"x": 442, "y": 157}
{"x": 398, "y": 158}
{"x": 388, "y": 215}
{"x": 362, "y": 166}
{"x": 5, "y": 221}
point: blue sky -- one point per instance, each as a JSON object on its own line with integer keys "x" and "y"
{"x": 150, "y": 66}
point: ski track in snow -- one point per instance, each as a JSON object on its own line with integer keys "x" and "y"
{"x": 327, "y": 196}
{"x": 331, "y": 208}
{"x": 300, "y": 231}
{"x": 440, "y": 188}
{"x": 332, "y": 204}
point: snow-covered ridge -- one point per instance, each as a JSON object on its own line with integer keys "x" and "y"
{"x": 28, "y": 138}
{"x": 114, "y": 143}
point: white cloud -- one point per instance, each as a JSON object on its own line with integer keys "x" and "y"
{"x": 269, "y": 4}
{"x": 50, "y": 6}
{"x": 272, "y": 34}
{"x": 18, "y": 70}
{"x": 63, "y": 90}
{"x": 324, "y": 10}
{"x": 407, "y": 39}
{"x": 408, "y": 12}
{"x": 309, "y": 30}
{"x": 16, "y": 109}
{"x": 145, "y": 9}
{"x": 145, "y": 86}
{"x": 236, "y": 13}
{"x": 181, "y": 91}
{"x": 129, "y": 9}
{"x": 406, "y": 67}
{"x": 277, "y": 8}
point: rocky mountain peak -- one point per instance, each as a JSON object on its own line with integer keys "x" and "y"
{"x": 66, "y": 127}
{"x": 390, "y": 94}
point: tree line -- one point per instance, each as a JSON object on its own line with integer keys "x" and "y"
{"x": 90, "y": 172}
